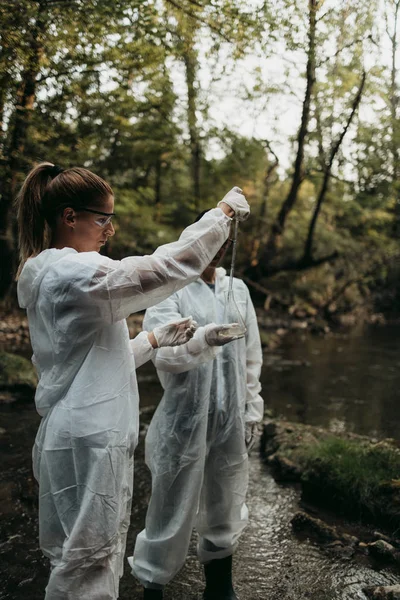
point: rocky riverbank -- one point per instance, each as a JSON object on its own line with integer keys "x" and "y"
{"x": 352, "y": 476}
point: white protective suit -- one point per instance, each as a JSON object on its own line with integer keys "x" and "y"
{"x": 195, "y": 445}
{"x": 87, "y": 395}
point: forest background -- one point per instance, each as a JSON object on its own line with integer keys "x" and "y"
{"x": 176, "y": 101}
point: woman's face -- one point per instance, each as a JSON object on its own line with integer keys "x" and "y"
{"x": 89, "y": 231}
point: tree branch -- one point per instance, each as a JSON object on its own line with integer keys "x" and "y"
{"x": 268, "y": 146}
{"x": 255, "y": 285}
{"x": 345, "y": 47}
{"x": 304, "y": 264}
{"x": 341, "y": 291}
{"x": 328, "y": 12}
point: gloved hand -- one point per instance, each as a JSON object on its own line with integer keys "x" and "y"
{"x": 176, "y": 333}
{"x": 250, "y": 435}
{"x": 238, "y": 203}
{"x": 219, "y": 335}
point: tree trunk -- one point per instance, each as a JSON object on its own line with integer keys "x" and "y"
{"x": 157, "y": 186}
{"x": 5, "y": 82}
{"x": 394, "y": 101}
{"x": 260, "y": 233}
{"x": 307, "y": 256}
{"x": 190, "y": 61}
{"x": 14, "y": 154}
{"x": 298, "y": 175}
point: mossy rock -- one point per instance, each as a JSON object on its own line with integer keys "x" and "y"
{"x": 16, "y": 371}
{"x": 355, "y": 475}
{"x": 352, "y": 475}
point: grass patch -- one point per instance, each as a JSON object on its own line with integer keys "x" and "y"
{"x": 359, "y": 476}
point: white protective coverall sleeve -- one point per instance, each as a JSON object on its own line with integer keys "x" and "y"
{"x": 254, "y": 403}
{"x": 110, "y": 290}
{"x": 142, "y": 350}
{"x": 180, "y": 359}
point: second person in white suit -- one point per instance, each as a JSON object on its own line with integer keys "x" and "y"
{"x": 196, "y": 446}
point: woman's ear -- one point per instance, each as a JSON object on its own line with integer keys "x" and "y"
{"x": 69, "y": 217}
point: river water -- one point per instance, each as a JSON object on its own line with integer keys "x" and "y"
{"x": 344, "y": 382}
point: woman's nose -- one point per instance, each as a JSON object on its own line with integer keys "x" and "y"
{"x": 110, "y": 229}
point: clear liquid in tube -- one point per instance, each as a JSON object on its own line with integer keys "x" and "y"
{"x": 231, "y": 311}
{"x": 233, "y": 316}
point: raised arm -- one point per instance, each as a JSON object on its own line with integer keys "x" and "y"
{"x": 109, "y": 290}
{"x": 123, "y": 287}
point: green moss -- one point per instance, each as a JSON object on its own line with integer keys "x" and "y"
{"x": 16, "y": 371}
{"x": 351, "y": 475}
{"x": 359, "y": 474}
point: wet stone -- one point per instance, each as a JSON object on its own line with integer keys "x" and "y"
{"x": 391, "y": 592}
{"x": 378, "y": 535}
{"x": 270, "y": 429}
{"x": 284, "y": 468}
{"x": 324, "y": 532}
{"x": 383, "y": 550}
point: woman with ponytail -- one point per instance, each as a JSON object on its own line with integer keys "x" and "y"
{"x": 77, "y": 303}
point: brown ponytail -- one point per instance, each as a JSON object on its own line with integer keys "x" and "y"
{"x": 46, "y": 191}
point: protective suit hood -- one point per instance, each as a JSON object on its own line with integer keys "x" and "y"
{"x": 33, "y": 272}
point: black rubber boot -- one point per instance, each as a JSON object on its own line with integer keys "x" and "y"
{"x": 150, "y": 594}
{"x": 219, "y": 580}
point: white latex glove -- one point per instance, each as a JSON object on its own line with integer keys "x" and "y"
{"x": 219, "y": 335}
{"x": 250, "y": 435}
{"x": 176, "y": 333}
{"x": 238, "y": 203}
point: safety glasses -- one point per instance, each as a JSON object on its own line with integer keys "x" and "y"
{"x": 103, "y": 220}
